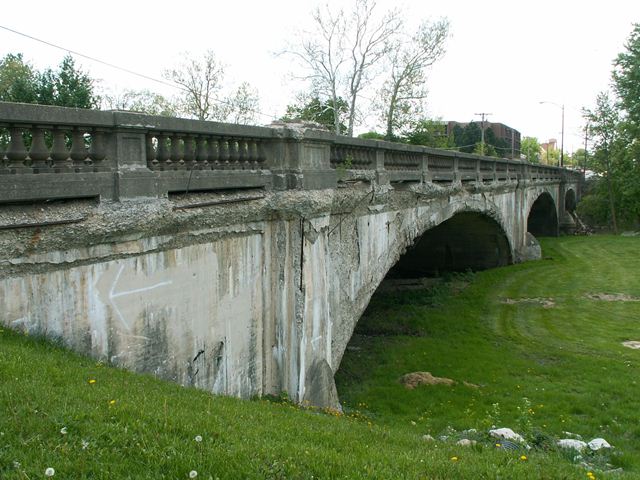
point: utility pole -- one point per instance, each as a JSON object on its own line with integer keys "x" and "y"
{"x": 482, "y": 115}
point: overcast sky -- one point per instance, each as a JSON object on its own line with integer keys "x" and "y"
{"x": 504, "y": 57}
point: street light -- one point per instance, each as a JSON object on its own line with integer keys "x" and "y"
{"x": 562, "y": 137}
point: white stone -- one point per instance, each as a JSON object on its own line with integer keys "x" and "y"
{"x": 465, "y": 442}
{"x": 507, "y": 434}
{"x": 598, "y": 443}
{"x": 572, "y": 443}
{"x": 428, "y": 438}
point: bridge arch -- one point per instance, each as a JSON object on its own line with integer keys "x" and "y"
{"x": 542, "y": 220}
{"x": 468, "y": 240}
{"x": 570, "y": 200}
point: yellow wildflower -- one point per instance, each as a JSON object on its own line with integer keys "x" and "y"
{"x": 92, "y": 381}
{"x": 454, "y": 459}
{"x": 523, "y": 457}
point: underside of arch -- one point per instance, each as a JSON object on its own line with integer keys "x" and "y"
{"x": 570, "y": 201}
{"x": 543, "y": 217}
{"x": 467, "y": 241}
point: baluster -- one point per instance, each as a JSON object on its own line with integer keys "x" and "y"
{"x": 262, "y": 154}
{"x": 16, "y": 152}
{"x": 234, "y": 154}
{"x": 59, "y": 152}
{"x": 176, "y": 154}
{"x": 213, "y": 156}
{"x": 189, "y": 152}
{"x": 201, "y": 152}
{"x": 98, "y": 150}
{"x": 162, "y": 154}
{"x": 39, "y": 153}
{"x": 254, "y": 156}
{"x": 78, "y": 152}
{"x": 224, "y": 153}
{"x": 152, "y": 163}
{"x": 243, "y": 152}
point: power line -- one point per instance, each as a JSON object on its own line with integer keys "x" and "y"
{"x": 122, "y": 69}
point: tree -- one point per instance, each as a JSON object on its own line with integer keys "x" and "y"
{"x": 322, "y": 112}
{"x": 241, "y": 106}
{"x": 200, "y": 80}
{"x": 604, "y": 123}
{"x": 369, "y": 45}
{"x": 72, "y": 86}
{"x": 143, "y": 101}
{"x": 403, "y": 92}
{"x": 466, "y": 138}
{"x": 431, "y": 133}
{"x": 18, "y": 81}
{"x": 626, "y": 81}
{"x": 530, "y": 147}
{"x": 202, "y": 83}
{"x": 69, "y": 86}
{"x": 340, "y": 56}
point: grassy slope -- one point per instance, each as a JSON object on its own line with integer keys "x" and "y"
{"x": 567, "y": 358}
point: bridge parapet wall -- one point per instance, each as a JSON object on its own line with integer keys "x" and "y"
{"x": 55, "y": 153}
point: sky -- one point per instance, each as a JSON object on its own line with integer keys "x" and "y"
{"x": 503, "y": 57}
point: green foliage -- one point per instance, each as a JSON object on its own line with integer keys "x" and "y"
{"x": 614, "y": 132}
{"x": 530, "y": 147}
{"x": 321, "y": 112}
{"x": 18, "y": 81}
{"x": 68, "y": 86}
{"x": 372, "y": 136}
{"x": 72, "y": 87}
{"x": 431, "y": 133}
{"x": 626, "y": 80}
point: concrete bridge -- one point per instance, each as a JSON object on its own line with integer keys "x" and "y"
{"x": 239, "y": 259}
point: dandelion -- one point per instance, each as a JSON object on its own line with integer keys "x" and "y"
{"x": 49, "y": 472}
{"x": 112, "y": 402}
{"x": 63, "y": 430}
{"x": 498, "y": 445}
{"x": 193, "y": 474}
{"x": 198, "y": 438}
{"x": 454, "y": 459}
{"x": 591, "y": 475}
{"x": 92, "y": 381}
{"x": 523, "y": 458}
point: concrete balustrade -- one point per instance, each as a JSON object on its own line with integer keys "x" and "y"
{"x": 54, "y": 153}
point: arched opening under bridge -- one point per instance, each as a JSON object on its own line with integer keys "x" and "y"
{"x": 543, "y": 217}
{"x": 467, "y": 241}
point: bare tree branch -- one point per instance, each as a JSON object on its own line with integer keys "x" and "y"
{"x": 403, "y": 92}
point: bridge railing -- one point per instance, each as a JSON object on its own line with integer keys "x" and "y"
{"x": 55, "y": 153}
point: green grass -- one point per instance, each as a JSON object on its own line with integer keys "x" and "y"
{"x": 567, "y": 358}
{"x": 566, "y": 361}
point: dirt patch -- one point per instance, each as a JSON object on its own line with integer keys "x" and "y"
{"x": 415, "y": 379}
{"x": 632, "y": 344}
{"x": 612, "y": 297}
{"x": 545, "y": 302}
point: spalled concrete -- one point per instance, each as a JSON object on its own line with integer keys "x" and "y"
{"x": 244, "y": 299}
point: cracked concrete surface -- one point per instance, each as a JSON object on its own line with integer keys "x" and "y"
{"x": 245, "y": 298}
